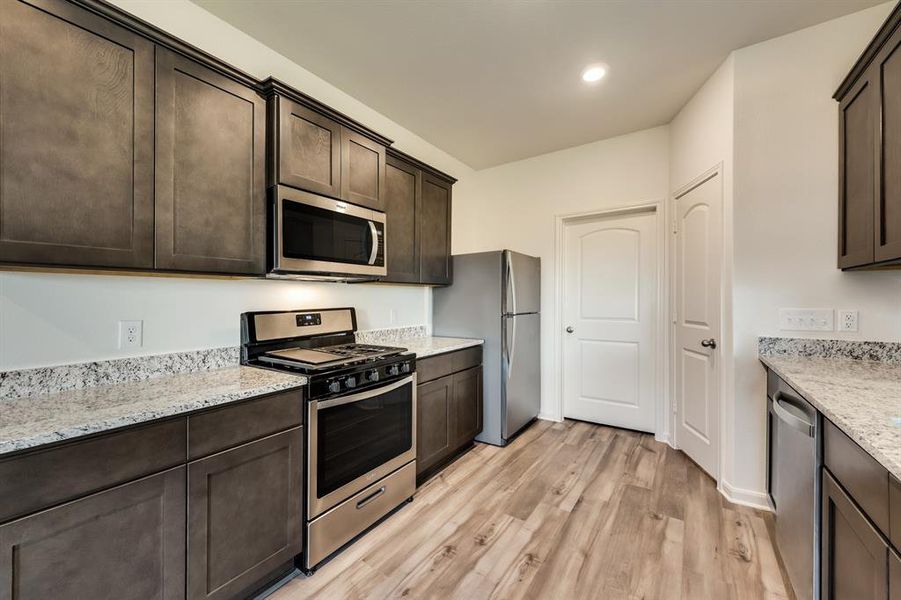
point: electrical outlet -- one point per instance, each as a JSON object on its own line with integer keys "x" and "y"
{"x": 131, "y": 334}
{"x": 847, "y": 320}
{"x": 806, "y": 319}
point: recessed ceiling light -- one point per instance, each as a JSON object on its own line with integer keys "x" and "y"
{"x": 594, "y": 73}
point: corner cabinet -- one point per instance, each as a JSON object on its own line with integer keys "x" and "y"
{"x": 210, "y": 170}
{"x": 869, "y": 212}
{"x": 418, "y": 206}
{"x": 76, "y": 138}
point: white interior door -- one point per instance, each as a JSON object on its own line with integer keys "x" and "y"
{"x": 697, "y": 333}
{"x": 610, "y": 313}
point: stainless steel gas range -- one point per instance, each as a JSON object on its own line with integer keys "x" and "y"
{"x": 360, "y": 419}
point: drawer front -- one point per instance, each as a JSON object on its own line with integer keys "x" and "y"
{"x": 339, "y": 525}
{"x": 232, "y": 425}
{"x": 43, "y": 478}
{"x": 440, "y": 365}
{"x": 865, "y": 479}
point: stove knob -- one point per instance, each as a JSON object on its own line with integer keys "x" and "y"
{"x": 334, "y": 387}
{"x": 405, "y": 367}
{"x": 350, "y": 382}
{"x": 393, "y": 370}
{"x": 372, "y": 376}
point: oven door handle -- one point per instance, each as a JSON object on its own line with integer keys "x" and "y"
{"x": 373, "y": 254}
{"x": 365, "y": 395}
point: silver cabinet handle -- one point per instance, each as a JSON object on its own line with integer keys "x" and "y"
{"x": 796, "y": 423}
{"x": 569, "y": 329}
{"x": 711, "y": 343}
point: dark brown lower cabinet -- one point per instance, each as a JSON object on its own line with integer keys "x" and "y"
{"x": 244, "y": 515}
{"x": 854, "y": 555}
{"x": 467, "y": 420}
{"x": 894, "y": 575}
{"x": 124, "y": 543}
{"x": 448, "y": 416}
{"x": 434, "y": 410}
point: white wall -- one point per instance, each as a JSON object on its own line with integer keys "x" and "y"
{"x": 513, "y": 206}
{"x": 786, "y": 182}
{"x": 48, "y": 319}
{"x": 701, "y": 137}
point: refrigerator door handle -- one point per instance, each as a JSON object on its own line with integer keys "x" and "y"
{"x": 511, "y": 286}
{"x": 509, "y": 338}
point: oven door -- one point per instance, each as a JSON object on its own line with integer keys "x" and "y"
{"x": 355, "y": 440}
{"x": 322, "y": 236}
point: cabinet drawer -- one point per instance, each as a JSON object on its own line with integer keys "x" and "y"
{"x": 43, "y": 478}
{"x": 441, "y": 365}
{"x": 864, "y": 478}
{"x": 223, "y": 428}
{"x": 339, "y": 525}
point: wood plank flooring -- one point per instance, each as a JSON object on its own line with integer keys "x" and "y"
{"x": 567, "y": 511}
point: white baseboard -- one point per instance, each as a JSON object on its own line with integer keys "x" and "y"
{"x": 736, "y": 495}
{"x": 664, "y": 438}
{"x": 547, "y": 417}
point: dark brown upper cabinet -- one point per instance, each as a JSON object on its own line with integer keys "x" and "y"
{"x": 363, "y": 170}
{"x": 402, "y": 189}
{"x": 869, "y": 214}
{"x": 210, "y": 170}
{"x": 76, "y": 138}
{"x": 418, "y": 206}
{"x": 435, "y": 231}
{"x": 318, "y": 149}
{"x": 308, "y": 147}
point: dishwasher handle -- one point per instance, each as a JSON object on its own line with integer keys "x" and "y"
{"x": 795, "y": 422}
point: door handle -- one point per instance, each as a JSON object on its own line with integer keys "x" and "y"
{"x": 711, "y": 343}
{"x": 569, "y": 329}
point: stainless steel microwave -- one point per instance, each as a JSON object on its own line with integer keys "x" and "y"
{"x": 315, "y": 237}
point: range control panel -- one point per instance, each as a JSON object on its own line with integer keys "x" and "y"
{"x": 359, "y": 377}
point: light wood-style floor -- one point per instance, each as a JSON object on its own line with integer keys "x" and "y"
{"x": 567, "y": 511}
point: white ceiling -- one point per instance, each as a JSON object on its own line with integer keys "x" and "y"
{"x": 495, "y": 81}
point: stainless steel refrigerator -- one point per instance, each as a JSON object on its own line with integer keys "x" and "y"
{"x": 496, "y": 296}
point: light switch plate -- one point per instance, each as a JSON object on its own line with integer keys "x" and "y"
{"x": 131, "y": 334}
{"x": 847, "y": 320}
{"x": 806, "y": 319}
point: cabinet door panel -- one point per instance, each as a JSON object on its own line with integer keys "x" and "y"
{"x": 363, "y": 174}
{"x": 76, "y": 138}
{"x": 888, "y": 208}
{"x": 854, "y": 556}
{"x": 244, "y": 515}
{"x": 309, "y": 149}
{"x": 402, "y": 187}
{"x": 857, "y": 172}
{"x": 434, "y": 422}
{"x": 467, "y": 406}
{"x": 435, "y": 231}
{"x": 124, "y": 543}
{"x": 894, "y": 576}
{"x": 210, "y": 163}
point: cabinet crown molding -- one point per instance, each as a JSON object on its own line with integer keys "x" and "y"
{"x": 863, "y": 61}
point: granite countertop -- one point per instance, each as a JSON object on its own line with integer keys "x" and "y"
{"x": 861, "y": 397}
{"x": 30, "y": 421}
{"x": 430, "y": 346}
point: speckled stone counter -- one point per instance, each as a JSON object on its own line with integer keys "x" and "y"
{"x": 430, "y": 346}
{"x": 30, "y": 421}
{"x": 862, "y": 398}
{"x": 415, "y": 339}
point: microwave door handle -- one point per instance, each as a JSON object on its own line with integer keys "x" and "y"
{"x": 373, "y": 254}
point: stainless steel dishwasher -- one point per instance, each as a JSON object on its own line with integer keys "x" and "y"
{"x": 795, "y": 457}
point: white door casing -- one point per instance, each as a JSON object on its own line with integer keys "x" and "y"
{"x": 697, "y": 297}
{"x": 610, "y": 300}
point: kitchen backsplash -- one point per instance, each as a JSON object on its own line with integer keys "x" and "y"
{"x": 391, "y": 335}
{"x": 819, "y": 348}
